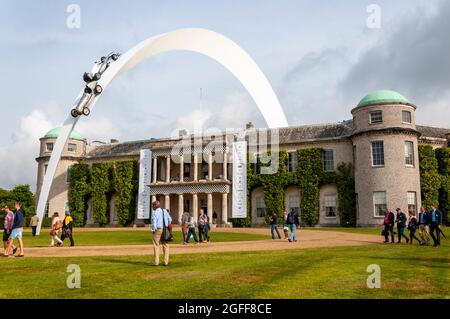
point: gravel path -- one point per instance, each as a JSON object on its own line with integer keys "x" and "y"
{"x": 306, "y": 239}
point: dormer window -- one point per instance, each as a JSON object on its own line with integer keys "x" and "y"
{"x": 376, "y": 117}
{"x": 406, "y": 117}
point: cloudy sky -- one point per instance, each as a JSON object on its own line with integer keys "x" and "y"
{"x": 320, "y": 56}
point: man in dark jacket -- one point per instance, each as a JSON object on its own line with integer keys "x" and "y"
{"x": 435, "y": 220}
{"x": 401, "y": 225}
{"x": 389, "y": 220}
{"x": 293, "y": 221}
{"x": 273, "y": 218}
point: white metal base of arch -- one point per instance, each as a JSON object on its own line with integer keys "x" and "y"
{"x": 209, "y": 43}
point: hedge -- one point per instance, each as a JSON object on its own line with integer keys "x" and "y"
{"x": 430, "y": 181}
{"x": 79, "y": 191}
{"x": 125, "y": 182}
{"x": 101, "y": 183}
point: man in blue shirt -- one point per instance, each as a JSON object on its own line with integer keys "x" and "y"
{"x": 160, "y": 218}
{"x": 435, "y": 220}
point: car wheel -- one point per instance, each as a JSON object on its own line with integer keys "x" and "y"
{"x": 74, "y": 113}
{"x": 98, "y": 89}
{"x": 115, "y": 57}
{"x": 86, "y": 111}
{"x": 87, "y": 77}
{"x": 87, "y": 90}
{"x": 97, "y": 76}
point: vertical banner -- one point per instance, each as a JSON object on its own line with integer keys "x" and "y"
{"x": 239, "y": 209}
{"x": 145, "y": 169}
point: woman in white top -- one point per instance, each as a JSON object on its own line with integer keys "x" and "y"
{"x": 56, "y": 229}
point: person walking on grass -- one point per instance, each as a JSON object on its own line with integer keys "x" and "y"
{"x": 401, "y": 225}
{"x": 56, "y": 229}
{"x": 207, "y": 229}
{"x": 33, "y": 223}
{"x": 201, "y": 226}
{"x": 435, "y": 219}
{"x": 185, "y": 225}
{"x": 7, "y": 228}
{"x": 285, "y": 225}
{"x": 424, "y": 230}
{"x": 16, "y": 232}
{"x": 293, "y": 222}
{"x": 412, "y": 227}
{"x": 191, "y": 230}
{"x": 273, "y": 219}
{"x": 389, "y": 221}
{"x": 160, "y": 218}
{"x": 67, "y": 229}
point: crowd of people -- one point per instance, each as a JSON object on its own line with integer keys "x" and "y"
{"x": 13, "y": 230}
{"x": 427, "y": 224}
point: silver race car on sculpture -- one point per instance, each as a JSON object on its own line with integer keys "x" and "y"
{"x": 92, "y": 87}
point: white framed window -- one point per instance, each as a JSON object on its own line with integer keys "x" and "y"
{"x": 328, "y": 160}
{"x": 406, "y": 117}
{"x": 260, "y": 207}
{"x": 294, "y": 202}
{"x": 49, "y": 147}
{"x": 292, "y": 161}
{"x": 376, "y": 117}
{"x": 409, "y": 153}
{"x": 412, "y": 201}
{"x": 72, "y": 147}
{"x": 330, "y": 205}
{"x": 378, "y": 153}
{"x": 379, "y": 204}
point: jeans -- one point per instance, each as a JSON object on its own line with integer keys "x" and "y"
{"x": 436, "y": 239}
{"x": 191, "y": 231}
{"x": 293, "y": 235}
{"x": 274, "y": 227}
{"x": 412, "y": 235}
{"x": 401, "y": 233}
{"x": 388, "y": 229}
{"x": 201, "y": 231}
{"x": 33, "y": 230}
{"x": 68, "y": 234}
{"x": 206, "y": 232}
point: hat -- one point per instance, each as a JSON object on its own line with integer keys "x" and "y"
{"x": 67, "y": 212}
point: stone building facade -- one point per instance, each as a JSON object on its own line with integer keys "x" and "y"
{"x": 380, "y": 141}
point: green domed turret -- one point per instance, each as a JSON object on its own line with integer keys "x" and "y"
{"x": 55, "y": 133}
{"x": 383, "y": 97}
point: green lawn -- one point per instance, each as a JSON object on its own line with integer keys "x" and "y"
{"x": 407, "y": 272}
{"x": 128, "y": 237}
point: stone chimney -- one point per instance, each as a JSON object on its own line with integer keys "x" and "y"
{"x": 249, "y": 126}
{"x": 182, "y": 133}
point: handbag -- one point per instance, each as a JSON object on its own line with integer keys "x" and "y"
{"x": 166, "y": 234}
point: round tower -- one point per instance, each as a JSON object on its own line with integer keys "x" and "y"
{"x": 385, "y": 145}
{"x": 74, "y": 151}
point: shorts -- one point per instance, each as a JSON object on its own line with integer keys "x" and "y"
{"x": 5, "y": 235}
{"x": 16, "y": 233}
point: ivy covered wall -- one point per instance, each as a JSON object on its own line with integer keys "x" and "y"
{"x": 309, "y": 177}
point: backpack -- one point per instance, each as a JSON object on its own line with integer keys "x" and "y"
{"x": 58, "y": 225}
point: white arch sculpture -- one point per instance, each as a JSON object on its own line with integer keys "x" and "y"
{"x": 209, "y": 43}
